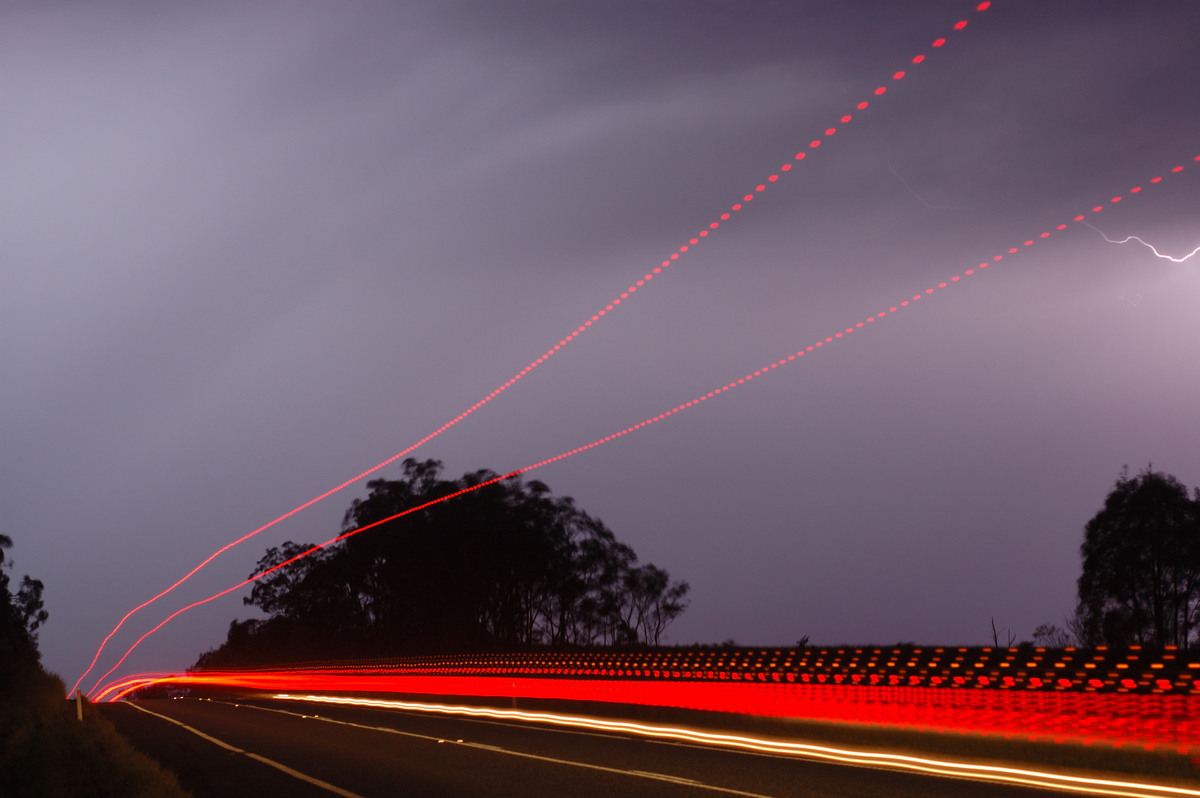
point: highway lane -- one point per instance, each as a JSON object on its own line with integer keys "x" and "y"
{"x": 257, "y": 747}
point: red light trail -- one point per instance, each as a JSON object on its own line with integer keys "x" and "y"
{"x": 285, "y": 563}
{"x": 971, "y": 770}
{"x": 1066, "y": 781}
{"x": 818, "y": 344}
{"x": 1109, "y": 697}
{"x": 1131, "y": 670}
{"x": 610, "y": 307}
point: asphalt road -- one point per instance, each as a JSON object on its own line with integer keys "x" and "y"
{"x": 256, "y": 748}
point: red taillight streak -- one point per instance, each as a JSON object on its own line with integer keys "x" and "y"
{"x": 1038, "y": 714}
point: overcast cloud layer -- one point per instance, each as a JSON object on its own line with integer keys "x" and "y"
{"x": 251, "y": 249}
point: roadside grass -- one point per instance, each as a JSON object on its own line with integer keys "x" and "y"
{"x": 45, "y": 752}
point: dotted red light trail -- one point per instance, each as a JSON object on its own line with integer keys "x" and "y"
{"x": 610, "y": 307}
{"x": 822, "y": 342}
{"x": 818, "y": 344}
{"x": 1126, "y": 670}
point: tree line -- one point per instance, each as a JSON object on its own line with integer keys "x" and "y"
{"x": 508, "y": 566}
{"x": 1140, "y": 583}
{"x": 21, "y": 613}
{"x": 511, "y": 567}
{"x": 44, "y": 748}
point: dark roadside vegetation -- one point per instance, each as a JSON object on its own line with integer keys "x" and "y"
{"x": 45, "y": 751}
{"x": 505, "y": 566}
{"x": 509, "y": 567}
{"x": 512, "y": 569}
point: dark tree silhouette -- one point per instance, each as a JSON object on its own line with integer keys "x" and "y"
{"x": 1141, "y": 565}
{"x": 506, "y": 566}
{"x": 21, "y": 614}
{"x": 1049, "y": 635}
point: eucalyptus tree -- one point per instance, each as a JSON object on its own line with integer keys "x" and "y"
{"x": 502, "y": 565}
{"x": 1141, "y": 565}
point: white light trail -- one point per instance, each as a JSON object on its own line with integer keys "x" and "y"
{"x": 879, "y": 759}
{"x": 1151, "y": 247}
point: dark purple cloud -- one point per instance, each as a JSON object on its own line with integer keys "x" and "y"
{"x": 251, "y": 250}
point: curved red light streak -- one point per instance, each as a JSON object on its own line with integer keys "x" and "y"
{"x": 652, "y": 420}
{"x": 609, "y": 307}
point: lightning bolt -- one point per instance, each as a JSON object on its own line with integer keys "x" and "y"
{"x": 1151, "y": 247}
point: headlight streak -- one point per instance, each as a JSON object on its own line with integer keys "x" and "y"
{"x": 882, "y": 759}
{"x": 610, "y": 307}
{"x": 652, "y": 420}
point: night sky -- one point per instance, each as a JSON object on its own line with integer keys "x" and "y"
{"x": 250, "y": 250}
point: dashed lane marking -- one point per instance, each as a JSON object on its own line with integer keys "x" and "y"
{"x": 324, "y": 785}
{"x": 641, "y": 774}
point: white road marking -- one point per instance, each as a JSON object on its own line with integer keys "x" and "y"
{"x": 641, "y": 774}
{"x": 284, "y": 768}
{"x": 668, "y": 777}
{"x": 973, "y": 771}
